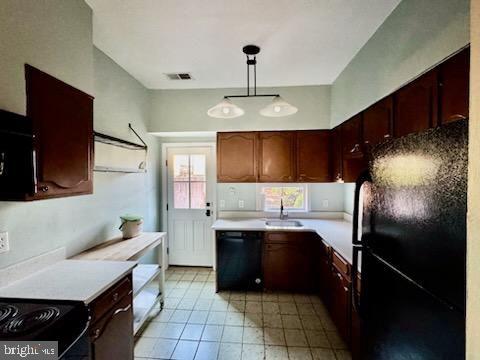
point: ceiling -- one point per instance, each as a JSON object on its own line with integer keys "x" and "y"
{"x": 304, "y": 42}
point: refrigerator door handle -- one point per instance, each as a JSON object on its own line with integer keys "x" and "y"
{"x": 363, "y": 178}
{"x": 354, "y": 273}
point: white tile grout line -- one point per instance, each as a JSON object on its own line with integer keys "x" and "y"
{"x": 212, "y": 299}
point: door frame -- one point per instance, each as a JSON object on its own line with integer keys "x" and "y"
{"x": 164, "y": 196}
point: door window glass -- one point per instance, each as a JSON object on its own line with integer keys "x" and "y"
{"x": 189, "y": 180}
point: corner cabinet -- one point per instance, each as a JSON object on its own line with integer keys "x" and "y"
{"x": 237, "y": 157}
{"x": 313, "y": 160}
{"x": 62, "y": 119}
{"x": 276, "y": 156}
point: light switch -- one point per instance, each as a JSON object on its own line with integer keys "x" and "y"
{"x": 325, "y": 203}
{"x": 241, "y": 204}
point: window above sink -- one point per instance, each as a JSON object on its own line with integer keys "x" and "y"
{"x": 294, "y": 196}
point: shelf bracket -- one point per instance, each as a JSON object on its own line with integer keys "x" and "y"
{"x": 138, "y": 136}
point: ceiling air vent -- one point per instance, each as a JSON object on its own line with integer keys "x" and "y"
{"x": 179, "y": 76}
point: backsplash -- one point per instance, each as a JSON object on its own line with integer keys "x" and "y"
{"x": 328, "y": 197}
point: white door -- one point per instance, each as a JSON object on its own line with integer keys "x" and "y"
{"x": 191, "y": 182}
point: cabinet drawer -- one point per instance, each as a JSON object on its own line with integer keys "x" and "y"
{"x": 276, "y": 238}
{"x": 340, "y": 264}
{"x": 110, "y": 298}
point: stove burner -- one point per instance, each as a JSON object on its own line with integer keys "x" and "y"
{"x": 7, "y": 312}
{"x": 31, "y": 321}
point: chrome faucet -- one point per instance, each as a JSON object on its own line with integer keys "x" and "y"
{"x": 283, "y": 215}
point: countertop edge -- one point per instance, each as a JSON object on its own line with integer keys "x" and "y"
{"x": 303, "y": 229}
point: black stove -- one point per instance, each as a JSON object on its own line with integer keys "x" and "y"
{"x": 44, "y": 320}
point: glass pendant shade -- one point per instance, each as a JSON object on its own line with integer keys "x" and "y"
{"x": 278, "y": 107}
{"x": 225, "y": 110}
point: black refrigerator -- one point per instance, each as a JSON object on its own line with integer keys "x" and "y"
{"x": 412, "y": 244}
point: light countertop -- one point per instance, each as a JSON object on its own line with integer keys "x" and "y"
{"x": 80, "y": 280}
{"x": 335, "y": 232}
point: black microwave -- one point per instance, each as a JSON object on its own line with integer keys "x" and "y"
{"x": 17, "y": 157}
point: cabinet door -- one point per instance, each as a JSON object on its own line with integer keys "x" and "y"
{"x": 313, "y": 160}
{"x": 354, "y": 161}
{"x": 237, "y": 157}
{"x": 378, "y": 122}
{"x": 336, "y": 154}
{"x": 276, "y": 156}
{"x": 352, "y": 136}
{"x": 112, "y": 335}
{"x": 288, "y": 262}
{"x": 416, "y": 105}
{"x": 454, "y": 87}
{"x": 324, "y": 274}
{"x": 340, "y": 307}
{"x": 62, "y": 118}
{"x": 356, "y": 327}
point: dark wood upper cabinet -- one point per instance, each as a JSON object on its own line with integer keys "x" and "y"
{"x": 378, "y": 122}
{"x": 62, "y": 119}
{"x": 313, "y": 160}
{"x": 352, "y": 136}
{"x": 416, "y": 105}
{"x": 336, "y": 154}
{"x": 454, "y": 87}
{"x": 276, "y": 156}
{"x": 237, "y": 157}
{"x": 353, "y": 159}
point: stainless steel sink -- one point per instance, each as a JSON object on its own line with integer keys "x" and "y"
{"x": 284, "y": 224}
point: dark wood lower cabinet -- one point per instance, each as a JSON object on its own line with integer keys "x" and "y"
{"x": 355, "y": 339}
{"x": 324, "y": 274}
{"x": 111, "y": 331}
{"x": 288, "y": 264}
{"x": 340, "y": 303}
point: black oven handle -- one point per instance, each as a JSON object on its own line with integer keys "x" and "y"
{"x": 84, "y": 331}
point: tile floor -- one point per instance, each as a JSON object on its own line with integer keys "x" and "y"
{"x": 197, "y": 323}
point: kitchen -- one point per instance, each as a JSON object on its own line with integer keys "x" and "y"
{"x": 86, "y": 92}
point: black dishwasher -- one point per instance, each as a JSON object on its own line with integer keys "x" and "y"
{"x": 239, "y": 260}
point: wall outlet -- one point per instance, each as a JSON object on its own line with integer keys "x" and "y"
{"x": 325, "y": 203}
{"x": 241, "y": 204}
{"x": 222, "y": 204}
{"x": 4, "y": 246}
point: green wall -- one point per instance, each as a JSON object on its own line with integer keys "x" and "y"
{"x": 416, "y": 35}
{"x": 56, "y": 36}
{"x": 186, "y": 110}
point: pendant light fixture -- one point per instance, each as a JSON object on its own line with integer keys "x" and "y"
{"x": 226, "y": 109}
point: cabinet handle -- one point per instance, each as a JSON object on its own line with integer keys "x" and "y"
{"x": 99, "y": 332}
{"x": 355, "y": 148}
{"x": 345, "y": 289}
{"x": 457, "y": 117}
{"x": 2, "y": 163}
{"x": 339, "y": 276}
{"x": 44, "y": 188}
{"x": 115, "y": 297}
{"x": 386, "y": 136}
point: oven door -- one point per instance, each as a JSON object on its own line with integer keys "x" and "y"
{"x": 80, "y": 350}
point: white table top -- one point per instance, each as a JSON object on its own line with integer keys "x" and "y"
{"x": 80, "y": 280}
